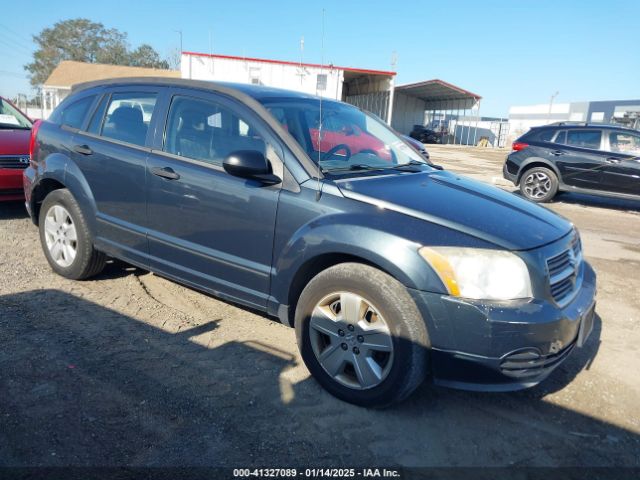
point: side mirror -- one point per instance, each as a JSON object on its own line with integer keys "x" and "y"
{"x": 250, "y": 164}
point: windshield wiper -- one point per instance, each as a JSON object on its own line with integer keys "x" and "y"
{"x": 354, "y": 167}
{"x": 413, "y": 163}
{"x": 410, "y": 164}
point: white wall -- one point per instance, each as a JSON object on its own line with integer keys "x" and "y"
{"x": 523, "y": 117}
{"x": 290, "y": 77}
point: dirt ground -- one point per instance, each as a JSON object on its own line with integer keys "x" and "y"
{"x": 131, "y": 369}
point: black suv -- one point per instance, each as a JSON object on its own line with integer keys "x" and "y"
{"x": 425, "y": 135}
{"x": 585, "y": 158}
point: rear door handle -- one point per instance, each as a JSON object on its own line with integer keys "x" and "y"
{"x": 557, "y": 153}
{"x": 165, "y": 172}
{"x": 612, "y": 160}
{"x": 82, "y": 149}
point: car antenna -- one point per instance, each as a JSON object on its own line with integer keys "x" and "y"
{"x": 320, "y": 117}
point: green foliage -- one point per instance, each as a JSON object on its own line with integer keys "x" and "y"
{"x": 82, "y": 40}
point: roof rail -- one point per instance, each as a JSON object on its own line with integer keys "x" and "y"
{"x": 584, "y": 124}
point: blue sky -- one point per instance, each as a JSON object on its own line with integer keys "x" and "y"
{"x": 509, "y": 52}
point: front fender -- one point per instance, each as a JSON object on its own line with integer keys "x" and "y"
{"x": 364, "y": 235}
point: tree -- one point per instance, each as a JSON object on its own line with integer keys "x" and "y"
{"x": 146, "y": 56}
{"x": 82, "y": 40}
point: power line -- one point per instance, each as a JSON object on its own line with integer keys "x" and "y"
{"x": 13, "y": 74}
{"x": 16, "y": 34}
{"x": 13, "y": 45}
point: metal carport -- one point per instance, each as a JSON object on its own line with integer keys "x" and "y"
{"x": 437, "y": 104}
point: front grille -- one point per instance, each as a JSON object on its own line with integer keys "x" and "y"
{"x": 14, "y": 162}
{"x": 530, "y": 363}
{"x": 563, "y": 271}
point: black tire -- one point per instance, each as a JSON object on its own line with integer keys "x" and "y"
{"x": 88, "y": 262}
{"x": 551, "y": 190}
{"x": 408, "y": 332}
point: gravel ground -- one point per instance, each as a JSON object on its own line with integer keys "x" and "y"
{"x": 131, "y": 369}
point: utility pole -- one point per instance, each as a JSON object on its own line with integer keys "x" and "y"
{"x": 179, "y": 32}
{"x": 301, "y": 57}
{"x": 211, "y": 49}
{"x": 551, "y": 105}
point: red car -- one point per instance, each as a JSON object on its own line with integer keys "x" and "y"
{"x": 15, "y": 134}
{"x": 353, "y": 137}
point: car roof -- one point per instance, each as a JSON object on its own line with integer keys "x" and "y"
{"x": 257, "y": 92}
{"x": 565, "y": 126}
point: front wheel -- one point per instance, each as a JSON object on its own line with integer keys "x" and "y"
{"x": 361, "y": 335}
{"x": 539, "y": 184}
{"x": 65, "y": 237}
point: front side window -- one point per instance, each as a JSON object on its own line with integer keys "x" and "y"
{"x": 74, "y": 114}
{"x": 11, "y": 117}
{"x": 584, "y": 138}
{"x": 128, "y": 117}
{"x": 624, "y": 142}
{"x": 339, "y": 136}
{"x": 207, "y": 131}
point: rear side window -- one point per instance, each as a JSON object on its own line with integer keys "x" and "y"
{"x": 546, "y": 135}
{"x": 562, "y": 137}
{"x": 584, "y": 138}
{"x": 128, "y": 117}
{"x": 207, "y": 131}
{"x": 74, "y": 114}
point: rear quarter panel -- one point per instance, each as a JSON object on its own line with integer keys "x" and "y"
{"x": 54, "y": 161}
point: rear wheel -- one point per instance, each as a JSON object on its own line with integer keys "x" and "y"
{"x": 65, "y": 238}
{"x": 361, "y": 335}
{"x": 539, "y": 184}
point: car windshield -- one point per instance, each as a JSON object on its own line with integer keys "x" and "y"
{"x": 10, "y": 117}
{"x": 340, "y": 137}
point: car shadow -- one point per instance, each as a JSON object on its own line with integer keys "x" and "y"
{"x": 13, "y": 210}
{"x": 587, "y": 200}
{"x": 86, "y": 385}
{"x": 598, "y": 201}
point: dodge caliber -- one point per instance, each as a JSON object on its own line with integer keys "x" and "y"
{"x": 391, "y": 271}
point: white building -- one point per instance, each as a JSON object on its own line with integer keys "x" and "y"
{"x": 623, "y": 112}
{"x": 372, "y": 90}
{"x": 369, "y": 89}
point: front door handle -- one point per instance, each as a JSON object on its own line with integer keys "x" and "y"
{"x": 557, "y": 153}
{"x": 165, "y": 172}
{"x": 82, "y": 149}
{"x": 612, "y": 160}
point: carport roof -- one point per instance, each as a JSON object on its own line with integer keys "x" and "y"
{"x": 440, "y": 95}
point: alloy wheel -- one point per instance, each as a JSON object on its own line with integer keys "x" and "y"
{"x": 537, "y": 185}
{"x": 351, "y": 340}
{"x": 60, "y": 236}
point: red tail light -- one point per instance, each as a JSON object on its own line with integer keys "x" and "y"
{"x": 32, "y": 140}
{"x": 517, "y": 146}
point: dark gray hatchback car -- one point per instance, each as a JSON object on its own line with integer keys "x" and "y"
{"x": 313, "y": 211}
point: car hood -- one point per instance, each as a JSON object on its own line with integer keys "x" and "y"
{"x": 465, "y": 205}
{"x": 14, "y": 142}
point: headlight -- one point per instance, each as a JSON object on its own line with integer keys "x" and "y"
{"x": 480, "y": 274}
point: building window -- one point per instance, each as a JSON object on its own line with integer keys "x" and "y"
{"x": 321, "y": 84}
